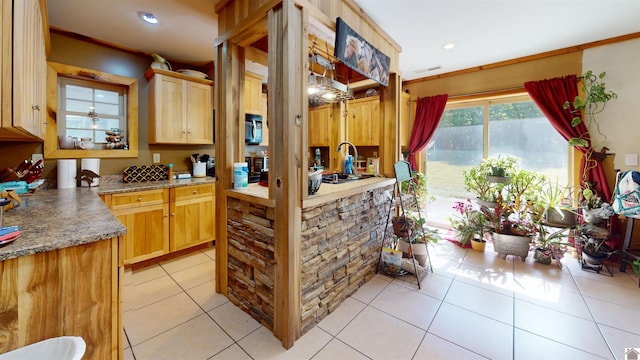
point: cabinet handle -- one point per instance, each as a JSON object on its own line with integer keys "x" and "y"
{"x": 35, "y": 107}
{"x": 173, "y": 214}
{"x": 195, "y": 192}
{"x": 165, "y": 215}
{"x": 139, "y": 198}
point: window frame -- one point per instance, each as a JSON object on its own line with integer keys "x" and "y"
{"x": 55, "y": 70}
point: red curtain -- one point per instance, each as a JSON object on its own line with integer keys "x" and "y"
{"x": 428, "y": 113}
{"x": 550, "y": 96}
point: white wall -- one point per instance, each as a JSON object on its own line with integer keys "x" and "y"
{"x": 620, "y": 121}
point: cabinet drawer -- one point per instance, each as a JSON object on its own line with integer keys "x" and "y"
{"x": 138, "y": 199}
{"x": 194, "y": 191}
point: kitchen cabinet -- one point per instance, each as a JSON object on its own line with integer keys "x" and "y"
{"x": 162, "y": 221}
{"x": 320, "y": 124}
{"x": 252, "y": 93}
{"x": 23, "y": 63}
{"x": 363, "y": 121}
{"x": 145, "y": 214}
{"x": 180, "y": 108}
{"x": 192, "y": 220}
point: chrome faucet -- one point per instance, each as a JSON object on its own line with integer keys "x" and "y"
{"x": 353, "y": 163}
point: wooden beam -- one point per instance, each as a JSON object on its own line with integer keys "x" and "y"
{"x": 287, "y": 38}
{"x": 229, "y": 81}
{"x": 390, "y": 124}
{"x": 256, "y": 55}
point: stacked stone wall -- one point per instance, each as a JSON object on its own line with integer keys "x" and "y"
{"x": 340, "y": 246}
{"x": 251, "y": 266}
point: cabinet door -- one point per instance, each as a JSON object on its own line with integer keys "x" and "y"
{"x": 147, "y": 232}
{"x": 252, "y": 93}
{"x": 319, "y": 130}
{"x": 29, "y": 69}
{"x": 192, "y": 216}
{"x": 168, "y": 103}
{"x": 145, "y": 214}
{"x": 363, "y": 125}
{"x": 200, "y": 113}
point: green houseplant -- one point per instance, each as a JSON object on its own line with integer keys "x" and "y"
{"x": 468, "y": 224}
{"x": 488, "y": 178}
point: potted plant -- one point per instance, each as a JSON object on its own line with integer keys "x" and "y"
{"x": 592, "y": 248}
{"x": 469, "y": 225}
{"x": 513, "y": 220}
{"x": 549, "y": 245}
{"x": 416, "y": 243}
{"x": 489, "y": 178}
{"x": 555, "y": 204}
{"x": 594, "y": 209}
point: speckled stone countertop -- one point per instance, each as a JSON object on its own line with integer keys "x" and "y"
{"x": 58, "y": 218}
{"x": 120, "y": 187}
{"x": 55, "y": 219}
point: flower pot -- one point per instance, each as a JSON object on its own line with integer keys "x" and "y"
{"x": 489, "y": 204}
{"x": 540, "y": 257}
{"x": 595, "y": 258}
{"x": 560, "y": 218}
{"x": 478, "y": 245}
{"x": 498, "y": 179}
{"x": 505, "y": 244}
{"x": 403, "y": 226}
{"x": 419, "y": 251}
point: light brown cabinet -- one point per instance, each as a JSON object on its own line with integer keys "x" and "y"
{"x": 161, "y": 221}
{"x": 252, "y": 93}
{"x": 180, "y": 108}
{"x": 265, "y": 123}
{"x": 24, "y": 67}
{"x": 363, "y": 121}
{"x": 145, "y": 214}
{"x": 320, "y": 123}
{"x": 192, "y": 220}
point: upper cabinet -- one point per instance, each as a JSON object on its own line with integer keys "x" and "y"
{"x": 24, "y": 68}
{"x": 363, "y": 121}
{"x": 252, "y": 93}
{"x": 180, "y": 108}
{"x": 320, "y": 121}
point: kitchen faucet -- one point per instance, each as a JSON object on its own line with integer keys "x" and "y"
{"x": 353, "y": 166}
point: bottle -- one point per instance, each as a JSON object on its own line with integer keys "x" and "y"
{"x": 317, "y": 163}
{"x": 348, "y": 161}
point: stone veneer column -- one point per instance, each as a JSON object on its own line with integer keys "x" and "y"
{"x": 251, "y": 261}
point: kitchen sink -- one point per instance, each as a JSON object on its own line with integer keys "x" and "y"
{"x": 343, "y": 178}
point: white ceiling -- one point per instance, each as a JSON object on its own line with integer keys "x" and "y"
{"x": 484, "y": 31}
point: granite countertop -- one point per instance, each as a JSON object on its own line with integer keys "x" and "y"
{"x": 55, "y": 219}
{"x": 120, "y": 187}
{"x": 59, "y": 218}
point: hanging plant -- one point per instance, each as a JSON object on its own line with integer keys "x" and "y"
{"x": 592, "y": 102}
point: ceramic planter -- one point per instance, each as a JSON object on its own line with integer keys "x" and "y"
{"x": 419, "y": 251}
{"x": 561, "y": 218}
{"x": 540, "y": 257}
{"x": 478, "y": 245}
{"x": 505, "y": 244}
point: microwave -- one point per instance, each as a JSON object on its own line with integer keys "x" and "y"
{"x": 253, "y": 129}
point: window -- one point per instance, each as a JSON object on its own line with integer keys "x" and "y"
{"x": 89, "y": 109}
{"x": 86, "y": 103}
{"x": 472, "y": 130}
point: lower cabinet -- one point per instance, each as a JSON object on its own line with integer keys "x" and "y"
{"x": 164, "y": 220}
{"x": 192, "y": 220}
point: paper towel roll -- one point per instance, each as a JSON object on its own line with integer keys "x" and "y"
{"x": 93, "y": 165}
{"x": 66, "y": 173}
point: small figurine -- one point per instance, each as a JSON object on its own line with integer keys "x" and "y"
{"x": 88, "y": 176}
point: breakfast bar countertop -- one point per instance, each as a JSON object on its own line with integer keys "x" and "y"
{"x": 54, "y": 219}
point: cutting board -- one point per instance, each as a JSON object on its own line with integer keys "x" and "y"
{"x": 135, "y": 174}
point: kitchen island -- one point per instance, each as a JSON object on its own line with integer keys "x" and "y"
{"x": 62, "y": 276}
{"x": 341, "y": 233}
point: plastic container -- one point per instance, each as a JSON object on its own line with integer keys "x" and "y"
{"x": 240, "y": 175}
{"x": 199, "y": 169}
{"x": 63, "y": 347}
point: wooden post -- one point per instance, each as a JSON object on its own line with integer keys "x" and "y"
{"x": 229, "y": 141}
{"x": 287, "y": 36}
{"x": 391, "y": 124}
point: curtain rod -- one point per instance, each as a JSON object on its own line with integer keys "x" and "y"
{"x": 495, "y": 92}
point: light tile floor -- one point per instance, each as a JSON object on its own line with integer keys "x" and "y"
{"x": 474, "y": 306}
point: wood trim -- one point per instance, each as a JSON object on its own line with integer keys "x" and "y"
{"x": 543, "y": 55}
{"x": 248, "y": 30}
{"x": 51, "y": 150}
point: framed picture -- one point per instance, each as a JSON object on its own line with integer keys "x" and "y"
{"x": 356, "y": 53}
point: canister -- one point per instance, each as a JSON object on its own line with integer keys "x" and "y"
{"x": 240, "y": 175}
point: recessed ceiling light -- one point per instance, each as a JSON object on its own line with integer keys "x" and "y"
{"x": 149, "y": 18}
{"x": 449, "y": 46}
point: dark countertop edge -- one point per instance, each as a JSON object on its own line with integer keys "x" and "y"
{"x": 120, "y": 187}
